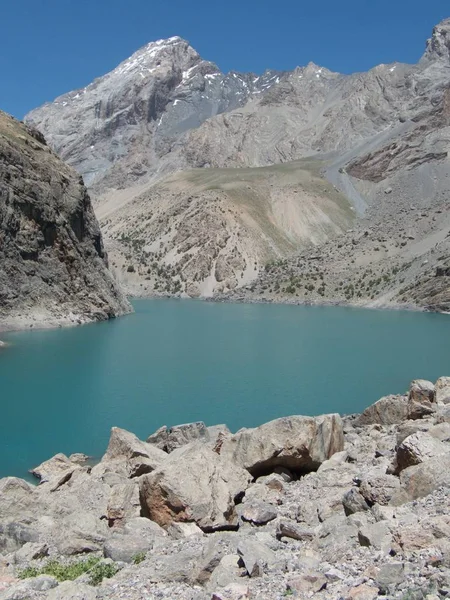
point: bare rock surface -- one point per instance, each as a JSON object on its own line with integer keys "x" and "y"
{"x": 201, "y": 526}
{"x": 54, "y": 269}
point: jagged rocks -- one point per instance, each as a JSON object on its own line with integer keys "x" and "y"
{"x": 195, "y": 484}
{"x": 300, "y": 444}
{"x": 420, "y": 480}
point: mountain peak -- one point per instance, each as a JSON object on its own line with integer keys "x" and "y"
{"x": 438, "y": 46}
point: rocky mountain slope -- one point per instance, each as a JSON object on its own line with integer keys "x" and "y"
{"x": 382, "y": 137}
{"x": 355, "y": 508}
{"x": 54, "y": 269}
{"x": 205, "y": 231}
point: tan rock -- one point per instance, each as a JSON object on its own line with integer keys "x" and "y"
{"x": 363, "y": 592}
{"x": 194, "y": 484}
{"x": 389, "y": 410}
{"x": 123, "y": 504}
{"x": 298, "y": 443}
{"x": 417, "y": 448}
{"x": 442, "y": 390}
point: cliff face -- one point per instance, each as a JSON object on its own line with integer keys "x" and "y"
{"x": 53, "y": 267}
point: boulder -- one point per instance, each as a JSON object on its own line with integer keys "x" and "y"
{"x": 417, "y": 448}
{"x": 353, "y": 502}
{"x": 257, "y": 512}
{"x": 421, "y": 399}
{"x": 442, "y": 390}
{"x": 194, "y": 484}
{"x": 169, "y": 439}
{"x": 379, "y": 489}
{"x": 389, "y": 410}
{"x": 126, "y": 448}
{"x": 124, "y": 548}
{"x": 72, "y": 590}
{"x": 297, "y": 443}
{"x": 57, "y": 468}
{"x": 17, "y": 498}
{"x": 377, "y": 535}
{"x": 421, "y": 390}
{"x": 295, "y": 531}
{"x": 123, "y": 504}
{"x": 420, "y": 480}
{"x": 256, "y": 557}
{"x": 307, "y": 583}
{"x": 389, "y": 576}
{"x": 363, "y": 592}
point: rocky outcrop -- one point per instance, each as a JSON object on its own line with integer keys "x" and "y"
{"x": 54, "y": 269}
{"x": 201, "y": 525}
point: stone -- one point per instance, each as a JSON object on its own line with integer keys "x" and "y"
{"x": 377, "y": 535}
{"x": 363, "y": 592}
{"x": 353, "y": 502}
{"x": 442, "y": 390}
{"x": 57, "y": 467}
{"x": 194, "y": 484}
{"x": 124, "y": 547}
{"x": 227, "y": 572}
{"x": 179, "y": 531}
{"x": 123, "y": 504}
{"x": 124, "y": 445}
{"x": 72, "y": 590}
{"x": 417, "y": 448}
{"x": 307, "y": 583}
{"x": 389, "y": 410}
{"x": 297, "y": 443}
{"x": 389, "y": 576}
{"x": 420, "y": 480}
{"x": 421, "y": 390}
{"x": 293, "y": 530}
{"x": 414, "y": 538}
{"x": 14, "y": 535}
{"x": 421, "y": 399}
{"x": 31, "y": 551}
{"x": 233, "y": 591}
{"x": 42, "y": 583}
{"x": 335, "y": 461}
{"x": 379, "y": 489}
{"x": 256, "y": 557}
{"x": 17, "y": 498}
{"x": 257, "y": 512}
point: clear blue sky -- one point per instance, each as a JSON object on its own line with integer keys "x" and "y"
{"x": 48, "y": 47}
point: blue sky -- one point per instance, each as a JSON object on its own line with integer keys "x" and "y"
{"x": 48, "y": 47}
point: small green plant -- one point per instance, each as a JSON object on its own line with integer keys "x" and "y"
{"x": 102, "y": 571}
{"x": 68, "y": 572}
{"x": 138, "y": 558}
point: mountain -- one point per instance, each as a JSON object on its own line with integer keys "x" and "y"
{"x": 54, "y": 269}
{"x": 166, "y": 110}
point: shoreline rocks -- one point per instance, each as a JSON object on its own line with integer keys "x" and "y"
{"x": 323, "y": 507}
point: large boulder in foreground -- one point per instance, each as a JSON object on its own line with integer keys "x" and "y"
{"x": 300, "y": 444}
{"x": 194, "y": 484}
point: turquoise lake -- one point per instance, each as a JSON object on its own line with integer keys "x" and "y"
{"x": 178, "y": 361}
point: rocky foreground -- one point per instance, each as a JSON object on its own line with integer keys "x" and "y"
{"x": 352, "y": 508}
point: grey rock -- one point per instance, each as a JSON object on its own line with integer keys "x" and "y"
{"x": 389, "y": 410}
{"x": 417, "y": 448}
{"x": 379, "y": 489}
{"x": 299, "y": 444}
{"x": 353, "y": 502}
{"x": 54, "y": 267}
{"x": 42, "y": 583}
{"x": 295, "y": 531}
{"x": 377, "y": 535}
{"x": 122, "y": 547}
{"x": 442, "y": 390}
{"x": 389, "y": 576}
{"x": 307, "y": 583}
{"x": 124, "y": 503}
{"x": 257, "y": 512}
{"x": 72, "y": 590}
{"x": 420, "y": 480}
{"x": 194, "y": 484}
{"x": 257, "y": 557}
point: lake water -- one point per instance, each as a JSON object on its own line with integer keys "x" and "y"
{"x": 178, "y": 361}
